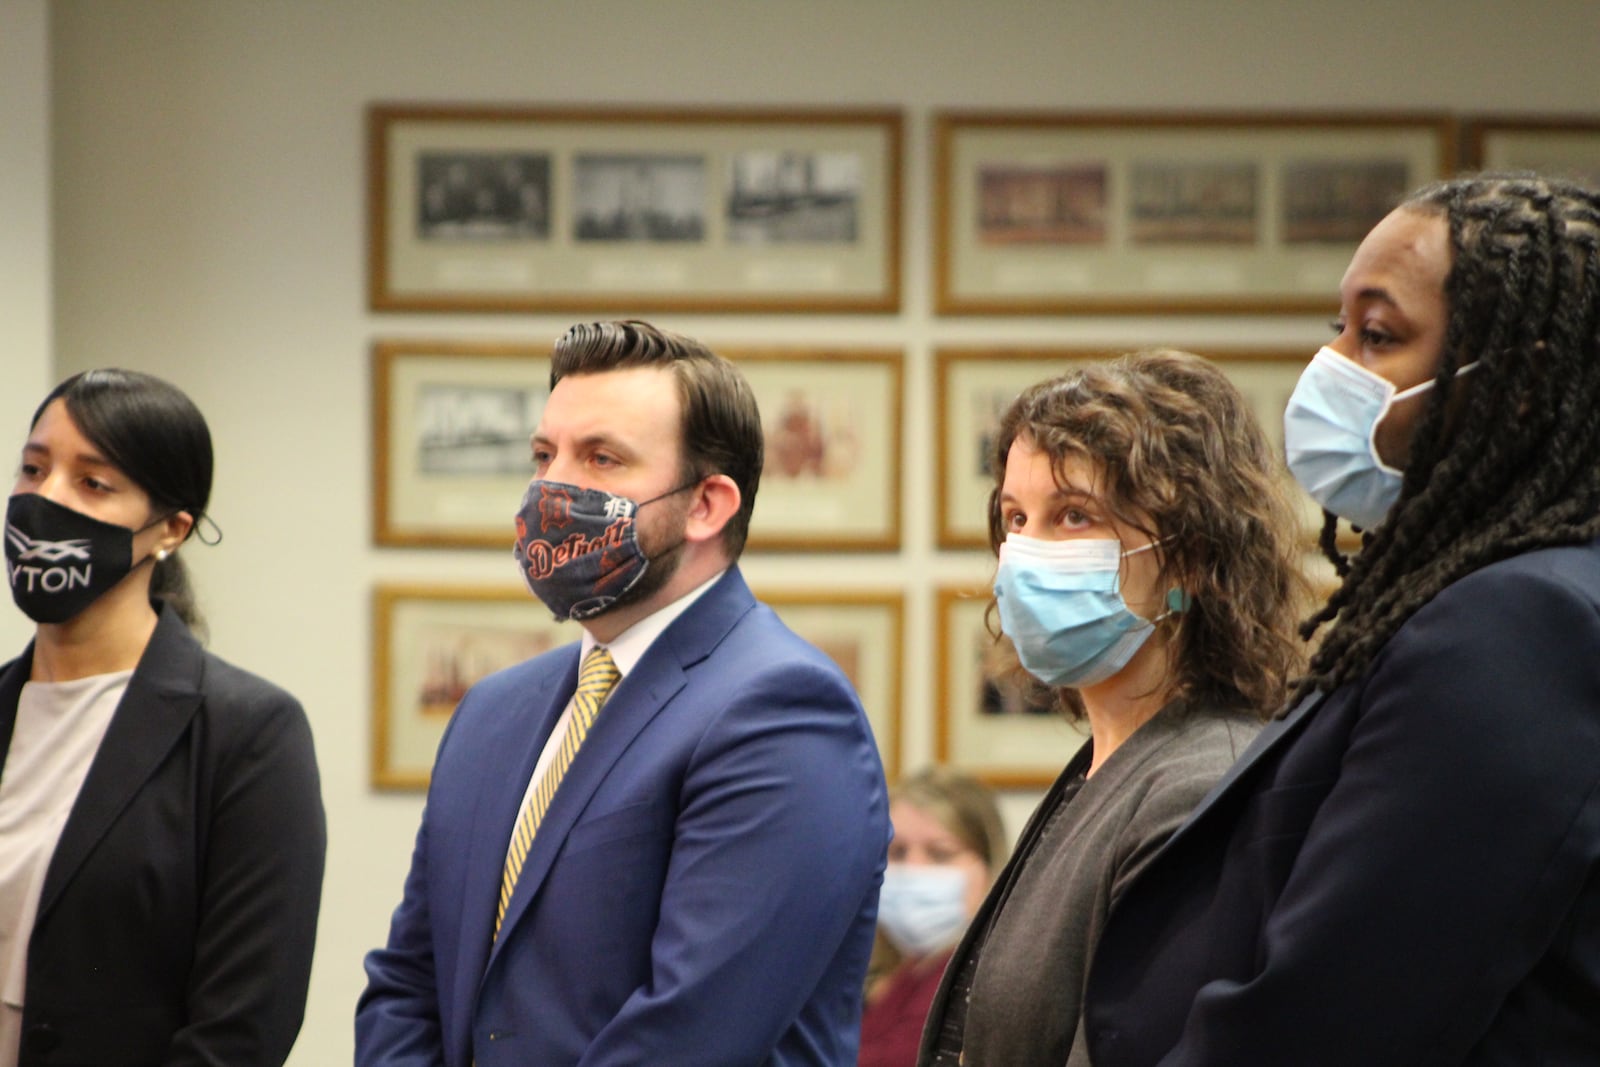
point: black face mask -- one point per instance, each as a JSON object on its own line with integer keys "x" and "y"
{"x": 59, "y": 560}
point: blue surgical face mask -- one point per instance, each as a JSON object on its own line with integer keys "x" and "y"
{"x": 1329, "y": 434}
{"x": 923, "y": 909}
{"x": 1061, "y": 607}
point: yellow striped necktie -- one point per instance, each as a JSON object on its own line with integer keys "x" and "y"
{"x": 595, "y": 681}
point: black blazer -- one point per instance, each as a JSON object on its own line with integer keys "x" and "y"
{"x": 1406, "y": 871}
{"x": 179, "y": 909}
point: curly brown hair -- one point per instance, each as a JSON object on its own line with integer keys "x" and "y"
{"x": 1184, "y": 460}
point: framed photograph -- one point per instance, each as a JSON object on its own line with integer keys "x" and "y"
{"x": 989, "y": 724}
{"x": 862, "y": 631}
{"x": 450, "y": 429}
{"x": 1065, "y": 213}
{"x": 1559, "y": 147}
{"x": 430, "y": 644}
{"x": 537, "y": 209}
{"x": 975, "y": 386}
{"x": 831, "y": 419}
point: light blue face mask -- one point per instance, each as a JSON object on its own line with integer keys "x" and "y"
{"x": 1060, "y": 606}
{"x": 1329, "y": 431}
{"x": 923, "y": 908}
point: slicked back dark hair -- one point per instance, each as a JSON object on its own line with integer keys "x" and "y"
{"x": 152, "y": 432}
{"x": 721, "y": 430}
{"x": 1507, "y": 458}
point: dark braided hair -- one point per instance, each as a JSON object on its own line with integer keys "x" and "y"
{"x": 1514, "y": 463}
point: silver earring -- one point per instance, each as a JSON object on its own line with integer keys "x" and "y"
{"x": 162, "y": 554}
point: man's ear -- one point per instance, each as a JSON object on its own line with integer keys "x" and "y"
{"x": 712, "y": 505}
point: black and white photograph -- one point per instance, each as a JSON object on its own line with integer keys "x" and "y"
{"x": 479, "y": 196}
{"x": 633, "y": 210}
{"x": 1061, "y": 204}
{"x": 777, "y": 197}
{"x": 1183, "y": 202}
{"x": 475, "y": 429}
{"x": 1338, "y": 200}
{"x": 639, "y": 197}
{"x": 451, "y": 421}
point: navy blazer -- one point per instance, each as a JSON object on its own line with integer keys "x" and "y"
{"x": 702, "y": 890}
{"x": 1406, "y": 871}
{"x": 179, "y": 908}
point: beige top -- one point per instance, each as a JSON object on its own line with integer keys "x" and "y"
{"x": 58, "y": 730}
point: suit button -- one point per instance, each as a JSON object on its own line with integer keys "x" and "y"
{"x": 41, "y": 1039}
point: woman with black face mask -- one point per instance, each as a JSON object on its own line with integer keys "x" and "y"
{"x": 161, "y": 824}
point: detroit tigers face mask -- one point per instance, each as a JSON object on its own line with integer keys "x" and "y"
{"x": 60, "y": 561}
{"x": 578, "y": 549}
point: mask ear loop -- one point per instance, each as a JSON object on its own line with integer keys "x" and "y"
{"x": 199, "y": 534}
{"x": 1394, "y": 398}
{"x": 1178, "y": 601}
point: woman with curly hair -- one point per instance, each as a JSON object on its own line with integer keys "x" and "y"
{"x": 1148, "y": 577}
{"x": 1405, "y": 868}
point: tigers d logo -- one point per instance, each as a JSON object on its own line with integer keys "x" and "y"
{"x": 555, "y": 508}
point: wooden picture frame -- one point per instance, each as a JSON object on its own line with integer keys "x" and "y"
{"x": 986, "y": 724}
{"x": 1064, "y": 213}
{"x": 974, "y": 386}
{"x": 526, "y": 209}
{"x": 430, "y": 644}
{"x": 450, "y": 427}
{"x": 863, "y": 631}
{"x": 1558, "y": 146}
{"x": 832, "y": 427}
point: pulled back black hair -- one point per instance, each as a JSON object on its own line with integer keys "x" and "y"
{"x": 149, "y": 430}
{"x": 1514, "y": 463}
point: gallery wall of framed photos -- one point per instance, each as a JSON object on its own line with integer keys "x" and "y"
{"x": 1222, "y": 233}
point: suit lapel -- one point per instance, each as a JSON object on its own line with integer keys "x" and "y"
{"x": 499, "y": 806}
{"x": 1274, "y": 734}
{"x": 162, "y": 698}
{"x": 12, "y": 679}
{"x": 638, "y": 699}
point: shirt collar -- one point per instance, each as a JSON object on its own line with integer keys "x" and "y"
{"x": 629, "y": 647}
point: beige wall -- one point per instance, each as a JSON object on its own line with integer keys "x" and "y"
{"x": 25, "y": 359}
{"x": 208, "y": 188}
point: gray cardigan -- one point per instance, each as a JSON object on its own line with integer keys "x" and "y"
{"x": 1027, "y": 954}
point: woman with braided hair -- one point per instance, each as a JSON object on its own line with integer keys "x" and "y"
{"x": 1405, "y": 867}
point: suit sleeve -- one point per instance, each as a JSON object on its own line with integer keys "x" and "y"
{"x": 1448, "y": 852}
{"x": 261, "y": 888}
{"x": 777, "y": 853}
{"x": 397, "y": 1017}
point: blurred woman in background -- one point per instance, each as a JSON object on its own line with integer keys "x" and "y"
{"x": 948, "y": 843}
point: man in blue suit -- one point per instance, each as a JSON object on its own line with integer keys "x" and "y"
{"x": 679, "y": 867}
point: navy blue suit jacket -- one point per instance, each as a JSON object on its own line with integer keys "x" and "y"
{"x": 1406, "y": 871}
{"x": 703, "y": 888}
